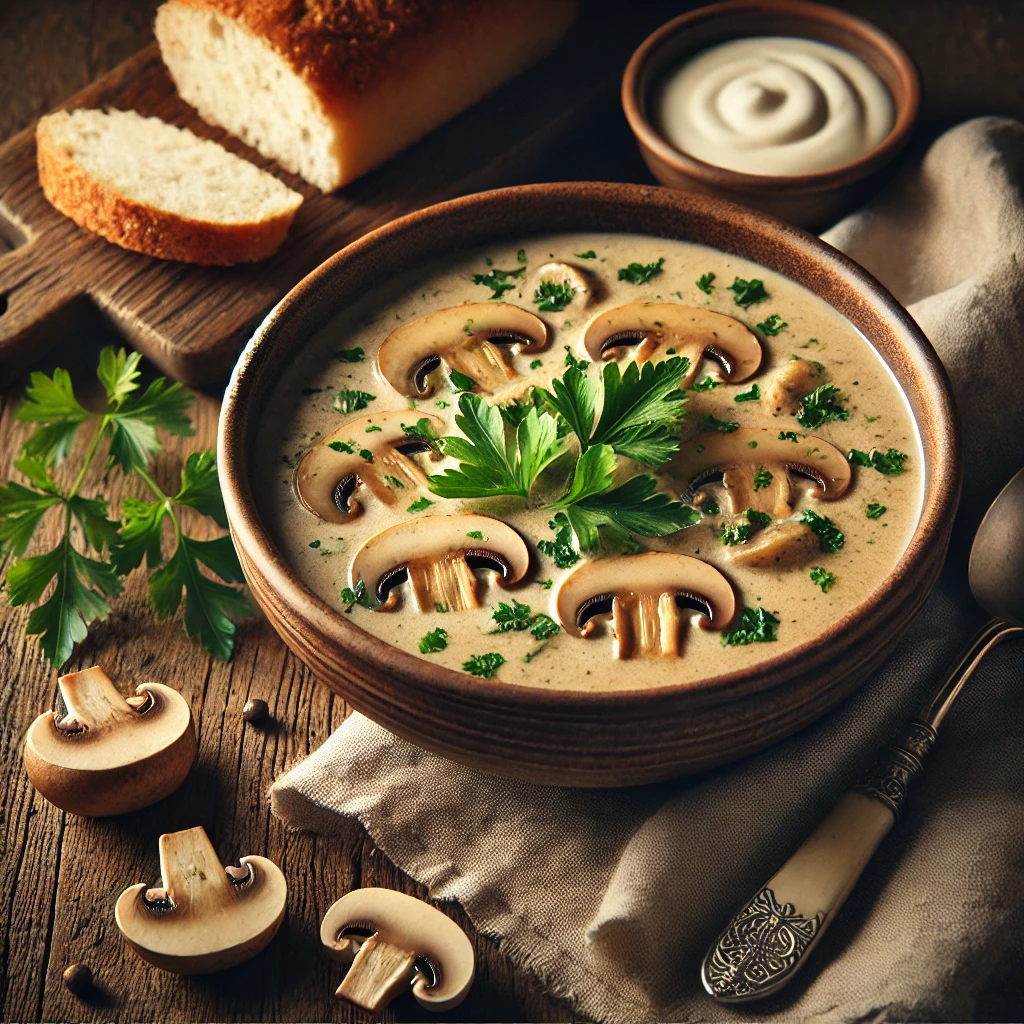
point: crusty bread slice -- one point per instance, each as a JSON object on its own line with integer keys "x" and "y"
{"x": 146, "y": 185}
{"x": 332, "y": 88}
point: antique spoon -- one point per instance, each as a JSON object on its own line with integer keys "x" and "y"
{"x": 770, "y": 938}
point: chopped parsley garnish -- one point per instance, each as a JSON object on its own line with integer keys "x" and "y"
{"x": 394, "y": 481}
{"x": 421, "y": 430}
{"x": 889, "y": 463}
{"x": 704, "y": 283}
{"x": 420, "y": 505}
{"x": 365, "y": 453}
{"x": 536, "y": 364}
{"x": 352, "y": 401}
{"x": 350, "y": 355}
{"x": 546, "y": 584}
{"x": 350, "y": 598}
{"x": 762, "y": 478}
{"x": 373, "y": 429}
{"x": 588, "y": 255}
{"x": 871, "y": 419}
{"x": 514, "y": 617}
{"x": 436, "y": 640}
{"x": 521, "y": 256}
{"x": 348, "y": 447}
{"x": 710, "y": 507}
{"x": 641, "y": 273}
{"x": 747, "y": 293}
{"x": 460, "y": 382}
{"x": 484, "y": 665}
{"x": 560, "y": 550}
{"x": 573, "y": 363}
{"x": 756, "y": 518}
{"x": 723, "y": 426}
{"x": 544, "y": 627}
{"x": 757, "y": 625}
{"x": 552, "y": 296}
{"x": 772, "y": 325}
{"x": 789, "y": 435}
{"x": 830, "y": 537}
{"x": 822, "y": 578}
{"x": 442, "y": 404}
{"x": 476, "y": 535}
{"x": 821, "y": 406}
{"x": 314, "y": 543}
{"x": 707, "y": 384}
{"x": 740, "y": 533}
{"x": 499, "y": 281}
{"x": 753, "y": 395}
{"x": 876, "y": 511}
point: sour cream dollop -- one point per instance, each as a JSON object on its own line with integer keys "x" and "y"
{"x": 775, "y": 105}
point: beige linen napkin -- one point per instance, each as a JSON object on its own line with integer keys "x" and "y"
{"x": 611, "y": 897}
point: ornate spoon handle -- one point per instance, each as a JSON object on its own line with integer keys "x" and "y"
{"x": 765, "y": 944}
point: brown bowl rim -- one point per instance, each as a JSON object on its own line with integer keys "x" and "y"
{"x": 942, "y": 464}
{"x": 634, "y": 103}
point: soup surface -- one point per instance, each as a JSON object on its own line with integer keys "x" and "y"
{"x": 820, "y": 391}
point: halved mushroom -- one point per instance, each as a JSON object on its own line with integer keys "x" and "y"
{"x": 437, "y": 556}
{"x": 392, "y": 940}
{"x": 790, "y": 383}
{"x": 204, "y": 917}
{"x": 566, "y": 274}
{"x": 755, "y": 466}
{"x": 462, "y": 338}
{"x": 644, "y": 592}
{"x": 655, "y": 328}
{"x": 374, "y": 451}
{"x": 103, "y": 754}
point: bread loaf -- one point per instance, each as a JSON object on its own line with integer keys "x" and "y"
{"x": 331, "y": 88}
{"x": 154, "y": 188}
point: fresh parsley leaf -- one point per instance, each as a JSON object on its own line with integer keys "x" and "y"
{"x": 347, "y": 400}
{"x": 499, "y": 281}
{"x": 707, "y": 384}
{"x": 821, "y": 406}
{"x": 21, "y": 511}
{"x": 757, "y": 625}
{"x": 641, "y": 273}
{"x": 420, "y": 505}
{"x": 830, "y": 537}
{"x": 573, "y": 397}
{"x": 636, "y": 506}
{"x": 762, "y": 478}
{"x": 51, "y": 402}
{"x": 748, "y": 293}
{"x": 490, "y": 463}
{"x": 351, "y": 597}
{"x": 772, "y": 325}
{"x": 704, "y": 283}
{"x": 573, "y": 363}
{"x": 588, "y": 255}
{"x": 876, "y": 511}
{"x": 460, "y": 381}
{"x": 436, "y": 640}
{"x": 200, "y": 487}
{"x": 484, "y": 665}
{"x": 514, "y": 412}
{"x": 134, "y": 420}
{"x": 514, "y": 617}
{"x": 722, "y": 426}
{"x": 560, "y": 550}
{"x": 552, "y": 296}
{"x": 889, "y": 463}
{"x": 822, "y": 578}
{"x": 421, "y": 430}
{"x": 753, "y": 395}
{"x": 350, "y": 355}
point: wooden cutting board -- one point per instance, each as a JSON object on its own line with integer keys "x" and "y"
{"x": 192, "y": 321}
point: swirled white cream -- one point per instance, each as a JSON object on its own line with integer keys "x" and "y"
{"x": 775, "y": 106}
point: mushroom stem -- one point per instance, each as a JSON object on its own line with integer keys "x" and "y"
{"x": 483, "y": 362}
{"x": 390, "y": 462}
{"x": 379, "y": 972}
{"x": 743, "y": 490}
{"x": 646, "y": 624}
{"x": 447, "y": 582}
{"x": 92, "y": 700}
{"x": 192, "y": 872}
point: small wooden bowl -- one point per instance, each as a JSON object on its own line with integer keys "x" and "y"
{"x": 570, "y": 737}
{"x": 811, "y": 200}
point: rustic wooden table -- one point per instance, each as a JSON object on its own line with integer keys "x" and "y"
{"x": 60, "y": 874}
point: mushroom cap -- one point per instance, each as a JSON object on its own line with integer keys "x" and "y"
{"x": 322, "y": 468}
{"x": 409, "y": 924}
{"x": 122, "y": 758}
{"x": 656, "y": 572}
{"x": 723, "y": 337}
{"x": 432, "y": 537}
{"x": 214, "y": 923}
{"x": 432, "y": 335}
{"x": 812, "y": 456}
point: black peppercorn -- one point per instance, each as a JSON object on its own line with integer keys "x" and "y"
{"x": 78, "y": 979}
{"x": 256, "y": 711}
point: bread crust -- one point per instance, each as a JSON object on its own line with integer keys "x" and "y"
{"x": 126, "y": 222}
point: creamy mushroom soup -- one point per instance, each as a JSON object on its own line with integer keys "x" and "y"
{"x": 669, "y": 463}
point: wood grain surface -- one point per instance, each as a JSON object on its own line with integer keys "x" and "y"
{"x": 60, "y": 875}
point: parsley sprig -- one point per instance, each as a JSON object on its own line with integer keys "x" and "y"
{"x": 95, "y": 551}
